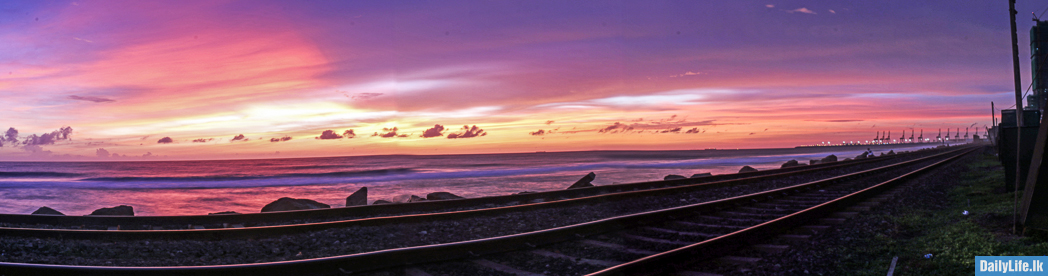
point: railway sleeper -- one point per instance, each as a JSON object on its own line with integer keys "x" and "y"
{"x": 736, "y": 214}
{"x": 619, "y": 247}
{"x": 577, "y": 260}
{"x": 660, "y": 230}
{"x": 774, "y": 210}
{"x": 724, "y": 220}
{"x": 722, "y": 227}
{"x": 654, "y": 241}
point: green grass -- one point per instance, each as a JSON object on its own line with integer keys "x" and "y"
{"x": 938, "y": 227}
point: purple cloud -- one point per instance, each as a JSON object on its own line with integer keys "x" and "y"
{"x": 469, "y": 133}
{"x": 435, "y": 131}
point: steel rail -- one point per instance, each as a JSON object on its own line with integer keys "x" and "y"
{"x": 274, "y": 230}
{"x": 679, "y": 258}
{"x": 422, "y": 206}
{"x": 368, "y": 261}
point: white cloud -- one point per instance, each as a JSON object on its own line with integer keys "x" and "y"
{"x": 769, "y": 6}
{"x": 689, "y": 73}
{"x": 831, "y": 11}
{"x": 802, "y": 10}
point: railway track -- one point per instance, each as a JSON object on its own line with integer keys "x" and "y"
{"x": 617, "y": 245}
{"x": 357, "y": 212}
{"x": 469, "y": 207}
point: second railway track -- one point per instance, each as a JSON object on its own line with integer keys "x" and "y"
{"x": 453, "y": 239}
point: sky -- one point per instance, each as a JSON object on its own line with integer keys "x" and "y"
{"x": 130, "y": 80}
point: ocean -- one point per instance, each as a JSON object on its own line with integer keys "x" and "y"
{"x": 201, "y": 187}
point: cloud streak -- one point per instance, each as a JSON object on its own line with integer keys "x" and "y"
{"x": 91, "y": 99}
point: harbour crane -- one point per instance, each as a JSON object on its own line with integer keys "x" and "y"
{"x": 921, "y": 138}
{"x": 958, "y": 135}
{"x": 878, "y": 137}
{"x": 903, "y": 137}
{"x": 965, "y": 133}
{"x": 939, "y": 137}
{"x": 911, "y": 135}
{"x": 947, "y": 133}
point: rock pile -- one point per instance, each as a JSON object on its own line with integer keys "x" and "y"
{"x": 358, "y": 198}
{"x": 584, "y": 181}
{"x": 47, "y": 211}
{"x": 828, "y": 159}
{"x": 442, "y": 196}
{"x": 701, "y": 175}
{"x": 122, "y": 210}
{"x": 791, "y": 163}
{"x": 674, "y": 177}
{"x": 291, "y": 204}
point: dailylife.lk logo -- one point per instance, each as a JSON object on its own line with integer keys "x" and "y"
{"x": 1010, "y": 265}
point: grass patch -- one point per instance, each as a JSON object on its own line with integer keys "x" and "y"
{"x": 932, "y": 223}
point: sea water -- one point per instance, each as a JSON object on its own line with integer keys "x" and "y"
{"x": 201, "y": 187}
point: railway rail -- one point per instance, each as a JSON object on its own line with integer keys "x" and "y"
{"x": 619, "y": 245}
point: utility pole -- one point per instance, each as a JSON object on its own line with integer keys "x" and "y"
{"x": 1018, "y": 114}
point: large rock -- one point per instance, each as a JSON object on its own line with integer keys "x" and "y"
{"x": 377, "y": 202}
{"x": 813, "y": 162}
{"x": 442, "y": 196}
{"x": 862, "y": 156}
{"x": 791, "y": 163}
{"x": 746, "y": 169}
{"x": 701, "y": 175}
{"x": 47, "y": 211}
{"x": 122, "y": 210}
{"x": 828, "y": 159}
{"x": 674, "y": 177}
{"x": 223, "y": 213}
{"x": 847, "y": 159}
{"x": 358, "y": 198}
{"x": 585, "y": 181}
{"x": 415, "y": 198}
{"x": 891, "y": 152}
{"x": 291, "y": 204}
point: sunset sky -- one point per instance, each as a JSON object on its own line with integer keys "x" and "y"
{"x": 530, "y": 75}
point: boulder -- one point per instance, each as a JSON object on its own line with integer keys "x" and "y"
{"x": 584, "y": 181}
{"x": 223, "y": 213}
{"x": 377, "y": 202}
{"x": 401, "y": 198}
{"x": 525, "y": 192}
{"x": 47, "y": 211}
{"x": 791, "y": 163}
{"x": 891, "y": 152}
{"x": 291, "y": 204}
{"x": 674, "y": 177}
{"x": 847, "y": 159}
{"x": 746, "y": 169}
{"x": 415, "y": 198}
{"x": 358, "y": 198}
{"x": 701, "y": 175}
{"x": 122, "y": 210}
{"x": 828, "y": 159}
{"x": 863, "y": 155}
{"x": 813, "y": 162}
{"x": 441, "y": 196}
